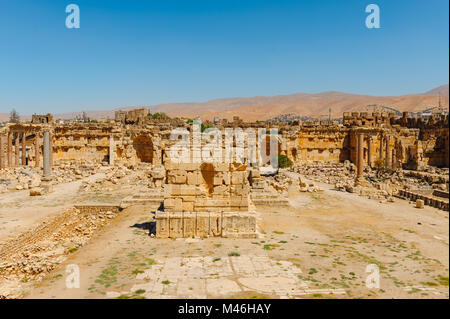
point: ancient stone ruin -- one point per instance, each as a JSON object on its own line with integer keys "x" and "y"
{"x": 215, "y": 197}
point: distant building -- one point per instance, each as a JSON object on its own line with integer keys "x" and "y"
{"x": 136, "y": 116}
{"x": 42, "y": 119}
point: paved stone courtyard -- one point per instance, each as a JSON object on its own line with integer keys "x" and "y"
{"x": 202, "y": 277}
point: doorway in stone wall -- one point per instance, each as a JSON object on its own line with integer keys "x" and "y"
{"x": 143, "y": 145}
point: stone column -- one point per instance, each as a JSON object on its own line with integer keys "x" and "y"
{"x": 50, "y": 138}
{"x": 381, "y": 147}
{"x": 24, "y": 149}
{"x": 360, "y": 155}
{"x": 369, "y": 151}
{"x": 394, "y": 161}
{"x": 36, "y": 150}
{"x": 16, "y": 150}
{"x": 388, "y": 152}
{"x": 47, "y": 152}
{"x": 2, "y": 152}
{"x": 10, "y": 162}
{"x": 111, "y": 150}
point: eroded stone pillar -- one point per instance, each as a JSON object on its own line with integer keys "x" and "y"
{"x": 2, "y": 152}
{"x": 47, "y": 166}
{"x": 50, "y": 138}
{"x": 388, "y": 152}
{"x": 10, "y": 162}
{"x": 111, "y": 150}
{"x": 360, "y": 155}
{"x": 381, "y": 147}
{"x": 16, "y": 150}
{"x": 369, "y": 151}
{"x": 36, "y": 151}
{"x": 394, "y": 161}
{"x": 24, "y": 149}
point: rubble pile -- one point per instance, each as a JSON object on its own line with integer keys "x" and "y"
{"x": 328, "y": 173}
{"x": 119, "y": 175}
{"x": 34, "y": 253}
{"x": 20, "y": 178}
{"x": 378, "y": 184}
{"x": 280, "y": 183}
{"x": 268, "y": 191}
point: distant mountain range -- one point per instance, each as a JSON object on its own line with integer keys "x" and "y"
{"x": 266, "y": 107}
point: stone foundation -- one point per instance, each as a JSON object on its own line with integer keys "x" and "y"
{"x": 205, "y": 224}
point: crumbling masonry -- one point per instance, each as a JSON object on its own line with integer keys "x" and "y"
{"x": 214, "y": 199}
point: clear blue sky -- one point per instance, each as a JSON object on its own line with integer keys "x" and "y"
{"x": 129, "y": 53}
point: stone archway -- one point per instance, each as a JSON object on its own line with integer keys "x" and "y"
{"x": 143, "y": 145}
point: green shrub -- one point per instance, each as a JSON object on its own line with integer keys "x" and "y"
{"x": 284, "y": 161}
{"x": 205, "y": 126}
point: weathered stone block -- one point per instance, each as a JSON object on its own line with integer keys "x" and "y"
{"x": 177, "y": 177}
{"x": 237, "y": 177}
{"x": 187, "y": 206}
{"x": 221, "y": 190}
{"x": 175, "y": 225}
{"x": 202, "y": 224}
{"x": 189, "y": 224}
{"x": 193, "y": 178}
{"x": 215, "y": 224}
{"x": 238, "y": 225}
{"x": 162, "y": 225}
{"x": 221, "y": 167}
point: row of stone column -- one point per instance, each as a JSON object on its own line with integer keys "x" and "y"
{"x": 10, "y": 158}
{"x": 386, "y": 152}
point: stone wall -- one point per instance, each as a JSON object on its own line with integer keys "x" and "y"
{"x": 204, "y": 200}
{"x": 398, "y": 141}
{"x": 206, "y": 187}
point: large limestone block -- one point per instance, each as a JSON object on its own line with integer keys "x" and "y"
{"x": 189, "y": 166}
{"x": 189, "y": 224}
{"x": 202, "y": 224}
{"x": 215, "y": 224}
{"x": 175, "y": 225}
{"x": 218, "y": 179}
{"x": 206, "y": 202}
{"x": 239, "y": 225}
{"x": 420, "y": 203}
{"x": 176, "y": 177}
{"x": 238, "y": 177}
{"x": 173, "y": 204}
{"x": 239, "y": 190}
{"x": 162, "y": 225}
{"x": 193, "y": 178}
{"x": 239, "y": 201}
{"x": 221, "y": 167}
{"x": 187, "y": 206}
{"x": 221, "y": 190}
{"x": 181, "y": 190}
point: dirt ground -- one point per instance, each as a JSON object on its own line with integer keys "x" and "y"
{"x": 318, "y": 248}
